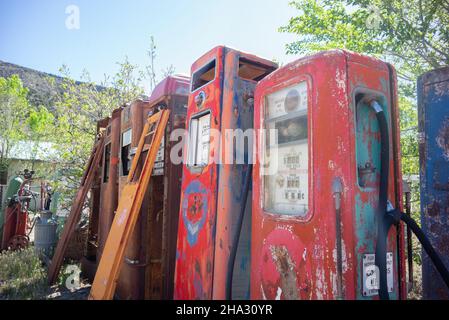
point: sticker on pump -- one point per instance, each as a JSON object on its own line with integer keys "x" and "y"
{"x": 286, "y": 184}
{"x": 370, "y": 271}
{"x": 160, "y": 152}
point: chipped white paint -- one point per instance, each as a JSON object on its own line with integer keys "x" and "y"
{"x": 278, "y": 294}
{"x": 340, "y": 78}
{"x": 320, "y": 283}
{"x": 334, "y": 283}
{"x": 122, "y": 217}
{"x": 344, "y": 258}
{"x": 264, "y": 297}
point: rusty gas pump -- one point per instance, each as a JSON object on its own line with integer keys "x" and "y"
{"x": 148, "y": 268}
{"x": 433, "y": 115}
{"x": 327, "y": 171}
{"x": 109, "y": 179}
{"x": 92, "y": 254}
{"x": 133, "y": 117}
{"x": 212, "y": 193}
{"x": 164, "y": 192}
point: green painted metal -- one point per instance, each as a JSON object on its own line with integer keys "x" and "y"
{"x": 13, "y": 188}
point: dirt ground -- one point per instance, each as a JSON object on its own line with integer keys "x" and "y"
{"x": 62, "y": 293}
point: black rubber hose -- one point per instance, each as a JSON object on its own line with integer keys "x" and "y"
{"x": 236, "y": 239}
{"x": 433, "y": 255}
{"x": 381, "y": 244}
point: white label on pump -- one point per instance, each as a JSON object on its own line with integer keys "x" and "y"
{"x": 126, "y": 137}
{"x": 370, "y": 274}
{"x": 158, "y": 168}
{"x": 160, "y": 152}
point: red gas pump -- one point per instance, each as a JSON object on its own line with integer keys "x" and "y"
{"x": 327, "y": 171}
{"x": 212, "y": 192}
{"x": 15, "y": 225}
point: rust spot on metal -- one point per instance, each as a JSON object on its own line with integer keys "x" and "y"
{"x": 209, "y": 266}
{"x": 443, "y": 245}
{"x": 443, "y": 139}
{"x": 197, "y": 267}
{"x": 433, "y": 209}
{"x": 286, "y": 269}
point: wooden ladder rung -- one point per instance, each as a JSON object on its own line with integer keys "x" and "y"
{"x": 150, "y": 133}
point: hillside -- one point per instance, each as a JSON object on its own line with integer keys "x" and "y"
{"x": 41, "y": 90}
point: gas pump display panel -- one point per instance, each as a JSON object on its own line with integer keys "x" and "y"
{"x": 286, "y": 172}
{"x": 199, "y": 138}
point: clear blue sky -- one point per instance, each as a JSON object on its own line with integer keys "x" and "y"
{"x": 34, "y": 33}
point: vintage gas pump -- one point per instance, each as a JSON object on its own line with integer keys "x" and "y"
{"x": 212, "y": 193}
{"x": 164, "y": 192}
{"x": 133, "y": 117}
{"x": 148, "y": 268}
{"x": 91, "y": 257}
{"x": 433, "y": 113}
{"x": 109, "y": 179}
{"x": 327, "y": 171}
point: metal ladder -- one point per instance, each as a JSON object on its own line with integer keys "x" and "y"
{"x": 75, "y": 211}
{"x": 128, "y": 209}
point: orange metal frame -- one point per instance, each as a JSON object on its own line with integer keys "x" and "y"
{"x": 128, "y": 210}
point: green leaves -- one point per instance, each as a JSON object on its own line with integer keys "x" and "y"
{"x": 14, "y": 108}
{"x": 40, "y": 121}
{"x": 414, "y": 35}
{"x": 77, "y": 110}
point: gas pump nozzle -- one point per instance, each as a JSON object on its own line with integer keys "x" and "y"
{"x": 382, "y": 230}
{"x": 389, "y": 216}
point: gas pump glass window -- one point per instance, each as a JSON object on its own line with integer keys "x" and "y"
{"x": 286, "y": 162}
{"x": 203, "y": 76}
{"x": 199, "y": 140}
{"x": 126, "y": 146}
